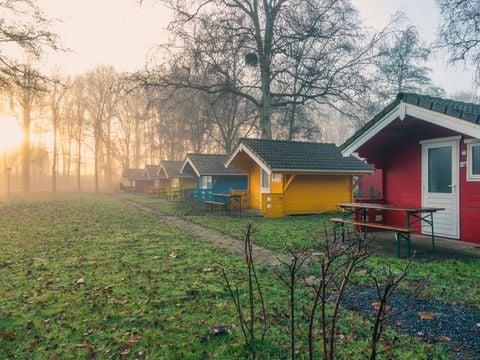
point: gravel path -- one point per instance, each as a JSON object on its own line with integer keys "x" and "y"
{"x": 457, "y": 327}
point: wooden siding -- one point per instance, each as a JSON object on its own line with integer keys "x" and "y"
{"x": 309, "y": 194}
{"x": 401, "y": 161}
{"x": 254, "y": 186}
{"x": 188, "y": 183}
{"x": 277, "y": 187}
{"x": 220, "y": 185}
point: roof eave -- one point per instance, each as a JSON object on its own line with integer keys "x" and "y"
{"x": 325, "y": 171}
{"x": 190, "y": 162}
{"x": 401, "y": 111}
{"x": 255, "y": 157}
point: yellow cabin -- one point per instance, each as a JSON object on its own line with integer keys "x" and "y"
{"x": 170, "y": 170}
{"x": 292, "y": 177}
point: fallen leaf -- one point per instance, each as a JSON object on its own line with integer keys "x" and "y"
{"x": 207, "y": 270}
{"x": 133, "y": 340}
{"x": 444, "y": 338}
{"x": 219, "y": 329}
{"x": 8, "y": 335}
{"x": 156, "y": 257}
{"x": 351, "y": 339}
{"x": 125, "y": 352}
{"x": 80, "y": 281}
{"x": 376, "y": 305}
{"x": 425, "y": 315}
{"x": 85, "y": 345}
{"x": 175, "y": 255}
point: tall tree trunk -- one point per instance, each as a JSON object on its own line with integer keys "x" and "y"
{"x": 109, "y": 156}
{"x": 266, "y": 103}
{"x": 79, "y": 165}
{"x": 96, "y": 151}
{"x": 26, "y": 149}
{"x": 54, "y": 160}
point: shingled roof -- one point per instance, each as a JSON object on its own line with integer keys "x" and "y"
{"x": 133, "y": 174}
{"x": 151, "y": 171}
{"x": 468, "y": 112}
{"x": 297, "y": 156}
{"x": 210, "y": 164}
{"x": 172, "y": 169}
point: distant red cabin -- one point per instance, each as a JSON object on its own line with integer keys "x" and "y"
{"x": 428, "y": 151}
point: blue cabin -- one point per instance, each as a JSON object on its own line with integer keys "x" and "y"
{"x": 212, "y": 176}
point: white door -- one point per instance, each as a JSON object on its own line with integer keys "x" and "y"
{"x": 440, "y": 186}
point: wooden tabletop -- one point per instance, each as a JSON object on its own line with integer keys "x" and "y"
{"x": 388, "y": 207}
{"x": 228, "y": 195}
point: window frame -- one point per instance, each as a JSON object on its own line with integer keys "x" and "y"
{"x": 206, "y": 182}
{"x": 264, "y": 176}
{"x": 276, "y": 177}
{"x": 175, "y": 182}
{"x": 470, "y": 175}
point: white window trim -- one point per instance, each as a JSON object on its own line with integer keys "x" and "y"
{"x": 470, "y": 175}
{"x": 276, "y": 177}
{"x": 267, "y": 177}
{"x": 206, "y": 182}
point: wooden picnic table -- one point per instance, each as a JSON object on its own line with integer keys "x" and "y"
{"x": 413, "y": 215}
{"x": 228, "y": 199}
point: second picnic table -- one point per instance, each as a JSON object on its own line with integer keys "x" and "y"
{"x": 414, "y": 214}
{"x": 227, "y": 199}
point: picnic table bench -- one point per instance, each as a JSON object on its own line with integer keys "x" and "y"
{"x": 213, "y": 205}
{"x": 401, "y": 233}
{"x": 413, "y": 215}
{"x": 226, "y": 204}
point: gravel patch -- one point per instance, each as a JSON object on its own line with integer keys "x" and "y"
{"x": 457, "y": 327}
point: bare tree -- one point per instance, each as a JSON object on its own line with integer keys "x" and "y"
{"x": 459, "y": 32}
{"x": 26, "y": 85}
{"x": 57, "y": 92}
{"x": 297, "y": 51}
{"x": 101, "y": 100}
{"x": 401, "y": 68}
{"x": 25, "y": 26}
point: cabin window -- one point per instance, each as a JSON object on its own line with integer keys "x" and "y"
{"x": 175, "y": 182}
{"x": 276, "y": 178}
{"x": 206, "y": 182}
{"x": 473, "y": 161}
{"x": 265, "y": 179}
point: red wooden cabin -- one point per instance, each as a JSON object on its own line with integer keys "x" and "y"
{"x": 428, "y": 149}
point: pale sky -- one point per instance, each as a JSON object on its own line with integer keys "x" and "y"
{"x": 120, "y": 33}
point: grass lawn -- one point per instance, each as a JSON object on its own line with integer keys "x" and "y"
{"x": 91, "y": 277}
{"x": 454, "y": 281}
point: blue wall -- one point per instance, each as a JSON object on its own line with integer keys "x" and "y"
{"x": 221, "y": 185}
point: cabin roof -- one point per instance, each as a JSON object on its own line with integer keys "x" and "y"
{"x": 452, "y": 110}
{"x": 133, "y": 174}
{"x": 210, "y": 164}
{"x": 298, "y": 156}
{"x": 152, "y": 171}
{"x": 171, "y": 169}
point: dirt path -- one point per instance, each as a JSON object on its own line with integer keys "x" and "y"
{"x": 262, "y": 257}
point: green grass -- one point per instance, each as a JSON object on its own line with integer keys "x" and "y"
{"x": 91, "y": 277}
{"x": 452, "y": 280}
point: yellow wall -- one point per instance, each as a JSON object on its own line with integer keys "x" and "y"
{"x": 254, "y": 186}
{"x": 246, "y": 165}
{"x": 317, "y": 193}
{"x": 188, "y": 183}
{"x": 276, "y": 187}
